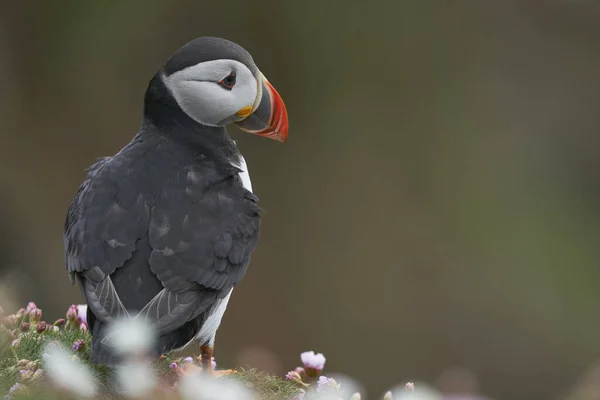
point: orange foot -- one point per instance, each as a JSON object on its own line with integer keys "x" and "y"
{"x": 222, "y": 373}
{"x": 206, "y": 357}
{"x": 190, "y": 369}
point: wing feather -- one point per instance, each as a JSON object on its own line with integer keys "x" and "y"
{"x": 201, "y": 226}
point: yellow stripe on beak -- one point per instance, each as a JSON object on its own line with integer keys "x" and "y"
{"x": 244, "y": 112}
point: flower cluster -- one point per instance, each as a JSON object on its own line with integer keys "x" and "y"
{"x": 77, "y": 317}
{"x": 27, "y": 325}
{"x": 63, "y": 359}
{"x": 314, "y": 386}
{"x": 58, "y": 353}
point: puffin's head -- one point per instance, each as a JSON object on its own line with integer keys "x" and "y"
{"x": 215, "y": 82}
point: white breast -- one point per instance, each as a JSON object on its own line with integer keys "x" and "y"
{"x": 209, "y": 328}
{"x": 244, "y": 175}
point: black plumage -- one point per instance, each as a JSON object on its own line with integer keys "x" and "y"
{"x": 167, "y": 215}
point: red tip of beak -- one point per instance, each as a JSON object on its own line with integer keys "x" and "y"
{"x": 278, "y": 126}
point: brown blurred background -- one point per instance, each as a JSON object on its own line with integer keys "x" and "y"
{"x": 436, "y": 207}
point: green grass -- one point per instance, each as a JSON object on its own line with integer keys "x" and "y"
{"x": 268, "y": 386}
{"x": 32, "y": 344}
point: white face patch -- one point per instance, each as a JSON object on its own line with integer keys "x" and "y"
{"x": 198, "y": 93}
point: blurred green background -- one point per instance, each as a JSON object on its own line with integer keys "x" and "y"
{"x": 435, "y": 210}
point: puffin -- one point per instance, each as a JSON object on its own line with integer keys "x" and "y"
{"x": 163, "y": 230}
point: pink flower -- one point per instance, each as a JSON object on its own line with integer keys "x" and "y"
{"x": 31, "y": 306}
{"x": 410, "y": 386}
{"x": 78, "y": 345}
{"x": 313, "y": 363}
{"x": 82, "y": 313}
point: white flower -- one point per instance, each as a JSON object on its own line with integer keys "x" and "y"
{"x": 68, "y": 373}
{"x": 348, "y": 387}
{"x": 324, "y": 383}
{"x": 312, "y": 360}
{"x": 199, "y": 387}
{"x": 136, "y": 378}
{"x": 130, "y": 336}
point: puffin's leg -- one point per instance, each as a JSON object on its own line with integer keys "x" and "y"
{"x": 206, "y": 354}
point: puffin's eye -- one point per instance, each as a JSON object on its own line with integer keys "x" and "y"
{"x": 229, "y": 81}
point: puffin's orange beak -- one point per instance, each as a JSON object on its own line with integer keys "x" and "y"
{"x": 269, "y": 119}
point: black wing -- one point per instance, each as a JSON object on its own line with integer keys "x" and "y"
{"x": 202, "y": 228}
{"x": 102, "y": 226}
{"x": 206, "y": 239}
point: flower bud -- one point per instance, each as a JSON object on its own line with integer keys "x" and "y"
{"x": 72, "y": 313}
{"x": 26, "y": 374}
{"x": 83, "y": 327}
{"x": 31, "y": 306}
{"x": 388, "y": 396}
{"x": 294, "y": 377}
{"x": 55, "y": 329}
{"x": 39, "y": 374}
{"x": 8, "y": 332}
{"x": 35, "y": 315}
{"x": 41, "y": 327}
{"x": 10, "y": 320}
{"x": 59, "y": 322}
{"x": 410, "y": 387}
{"x": 16, "y": 342}
{"x": 20, "y": 313}
{"x": 22, "y": 363}
{"x": 24, "y": 326}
